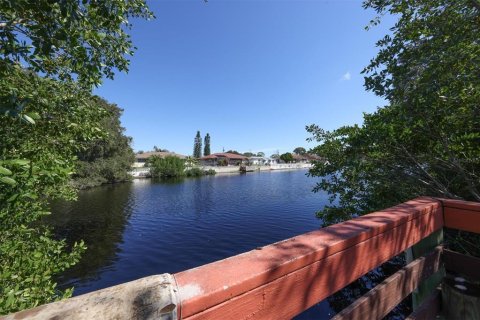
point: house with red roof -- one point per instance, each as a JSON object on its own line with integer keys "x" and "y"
{"x": 223, "y": 159}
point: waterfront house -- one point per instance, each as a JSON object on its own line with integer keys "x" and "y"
{"x": 271, "y": 161}
{"x": 224, "y": 158}
{"x": 257, "y": 161}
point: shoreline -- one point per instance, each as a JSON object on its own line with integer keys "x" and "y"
{"x": 143, "y": 174}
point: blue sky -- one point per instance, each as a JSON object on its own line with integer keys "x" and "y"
{"x": 252, "y": 74}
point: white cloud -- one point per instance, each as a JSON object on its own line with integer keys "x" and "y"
{"x": 347, "y": 76}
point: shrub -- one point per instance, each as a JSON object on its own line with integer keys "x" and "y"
{"x": 194, "y": 172}
{"x": 168, "y": 167}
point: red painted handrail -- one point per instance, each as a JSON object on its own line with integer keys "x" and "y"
{"x": 462, "y": 215}
{"x": 305, "y": 269}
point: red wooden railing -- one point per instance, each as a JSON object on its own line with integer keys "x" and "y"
{"x": 283, "y": 279}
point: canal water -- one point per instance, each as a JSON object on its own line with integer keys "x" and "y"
{"x": 143, "y": 228}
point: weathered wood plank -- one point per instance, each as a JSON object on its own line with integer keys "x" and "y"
{"x": 425, "y": 246}
{"x": 281, "y": 280}
{"x": 460, "y": 263}
{"x": 379, "y": 301}
{"x": 429, "y": 309}
{"x": 460, "y": 299}
{"x": 462, "y": 215}
{"x": 148, "y": 298}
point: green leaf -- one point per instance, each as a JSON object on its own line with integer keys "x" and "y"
{"x": 8, "y": 181}
{"x": 13, "y": 198}
{"x": 5, "y": 171}
{"x": 28, "y": 119}
{"x": 20, "y": 162}
{"x": 30, "y": 196}
{"x": 34, "y": 115}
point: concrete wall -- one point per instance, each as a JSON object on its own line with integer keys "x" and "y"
{"x": 278, "y": 166}
{"x": 145, "y": 172}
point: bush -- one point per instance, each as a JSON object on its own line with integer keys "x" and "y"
{"x": 168, "y": 167}
{"x": 194, "y": 172}
{"x": 197, "y": 172}
{"x": 210, "y": 172}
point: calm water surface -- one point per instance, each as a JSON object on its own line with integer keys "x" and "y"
{"x": 142, "y": 228}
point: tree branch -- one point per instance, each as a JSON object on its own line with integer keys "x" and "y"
{"x": 437, "y": 183}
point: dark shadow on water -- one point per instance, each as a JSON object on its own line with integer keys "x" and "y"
{"x": 167, "y": 181}
{"x": 98, "y": 217}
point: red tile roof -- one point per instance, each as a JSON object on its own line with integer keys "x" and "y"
{"x": 230, "y": 156}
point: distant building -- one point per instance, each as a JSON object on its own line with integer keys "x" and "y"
{"x": 224, "y": 158}
{"x": 257, "y": 161}
{"x": 270, "y": 161}
{"x": 141, "y": 158}
{"x": 262, "y": 161}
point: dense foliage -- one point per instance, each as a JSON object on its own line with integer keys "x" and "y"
{"x": 70, "y": 39}
{"x": 36, "y": 161}
{"x": 206, "y": 148}
{"x": 300, "y": 150}
{"x": 198, "y": 172}
{"x": 197, "y": 146}
{"x": 426, "y": 141}
{"x": 51, "y": 53}
{"x": 157, "y": 149}
{"x": 168, "y": 167}
{"x": 286, "y": 157}
{"x": 108, "y": 159}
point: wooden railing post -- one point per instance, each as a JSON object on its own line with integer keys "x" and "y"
{"x": 423, "y": 247}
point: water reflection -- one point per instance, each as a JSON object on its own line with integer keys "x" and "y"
{"x": 99, "y": 218}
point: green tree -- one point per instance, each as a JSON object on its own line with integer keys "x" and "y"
{"x": 197, "y": 146}
{"x": 44, "y": 121}
{"x": 248, "y": 154}
{"x": 168, "y": 167}
{"x": 108, "y": 159}
{"x": 36, "y": 161}
{"x": 286, "y": 157}
{"x": 67, "y": 40}
{"x": 300, "y": 150}
{"x": 261, "y": 154}
{"x": 157, "y": 149}
{"x": 206, "y": 150}
{"x": 426, "y": 141}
